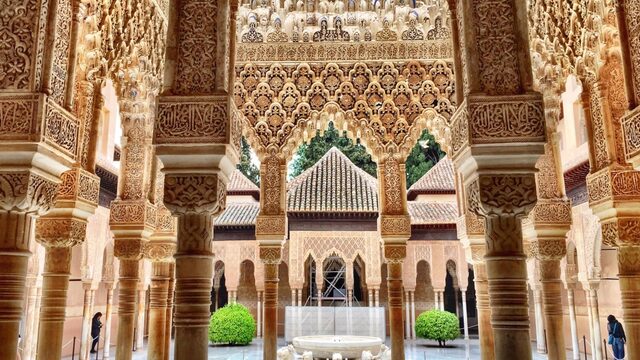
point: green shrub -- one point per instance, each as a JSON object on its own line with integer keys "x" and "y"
{"x": 437, "y": 325}
{"x": 233, "y": 325}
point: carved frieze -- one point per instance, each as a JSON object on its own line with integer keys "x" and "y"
{"x": 395, "y": 226}
{"x": 192, "y": 120}
{"x": 548, "y": 249}
{"x": 551, "y": 212}
{"x": 271, "y": 225}
{"x": 631, "y": 128}
{"x": 133, "y": 212}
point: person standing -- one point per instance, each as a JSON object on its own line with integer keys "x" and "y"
{"x": 96, "y": 325}
{"x": 617, "y": 338}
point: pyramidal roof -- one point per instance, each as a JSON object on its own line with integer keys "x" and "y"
{"x": 333, "y": 185}
{"x": 438, "y": 180}
{"x": 240, "y": 184}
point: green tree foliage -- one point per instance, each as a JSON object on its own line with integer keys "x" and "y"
{"x": 248, "y": 168}
{"x": 437, "y": 325}
{"x": 308, "y": 155}
{"x": 423, "y": 156}
{"x": 233, "y": 325}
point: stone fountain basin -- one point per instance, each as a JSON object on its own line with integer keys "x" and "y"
{"x": 349, "y": 346}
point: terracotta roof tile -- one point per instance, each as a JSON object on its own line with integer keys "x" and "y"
{"x": 238, "y": 215}
{"x": 432, "y": 213}
{"x": 238, "y": 183}
{"x": 334, "y": 184}
{"x": 438, "y": 180}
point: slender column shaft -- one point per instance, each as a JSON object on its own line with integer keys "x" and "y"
{"x": 169, "y": 324}
{"x": 36, "y": 324}
{"x": 457, "y": 302}
{"x": 574, "y": 325}
{"x": 553, "y": 315}
{"x": 55, "y": 282}
{"x": 30, "y": 334}
{"x": 370, "y": 298}
{"x": 106, "y": 330}
{"x": 300, "y": 297}
{"x": 85, "y": 341}
{"x": 376, "y": 294}
{"x": 159, "y": 294}
{"x": 629, "y": 273}
{"x": 407, "y": 317}
{"x": 394, "y": 286}
{"x": 464, "y": 314}
{"x": 194, "y": 279}
{"x": 590, "y": 317}
{"x": 485, "y": 331}
{"x": 15, "y": 228}
{"x": 293, "y": 297}
{"x": 442, "y": 300}
{"x": 537, "y": 307}
{"x": 127, "y": 301}
{"x": 413, "y": 315}
{"x": 270, "y": 311}
{"x": 259, "y": 311}
{"x": 597, "y": 337}
{"x": 140, "y": 318}
{"x": 507, "y": 275}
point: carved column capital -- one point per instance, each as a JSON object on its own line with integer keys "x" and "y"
{"x": 395, "y": 226}
{"x": 271, "y": 226}
{"x": 60, "y": 232}
{"x": 159, "y": 251}
{"x": 621, "y": 231}
{"x": 395, "y": 253}
{"x": 548, "y": 249}
{"x": 502, "y": 195}
{"x": 194, "y": 193}
{"x": 270, "y": 255}
{"x": 26, "y": 191}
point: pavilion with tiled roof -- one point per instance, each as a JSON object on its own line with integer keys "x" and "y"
{"x": 335, "y": 188}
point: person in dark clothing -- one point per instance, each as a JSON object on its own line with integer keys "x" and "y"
{"x": 95, "y": 331}
{"x": 617, "y": 337}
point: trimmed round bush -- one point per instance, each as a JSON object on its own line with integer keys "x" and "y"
{"x": 232, "y": 325}
{"x": 437, "y": 325}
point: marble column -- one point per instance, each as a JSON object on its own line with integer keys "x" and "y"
{"x": 376, "y": 295}
{"x": 30, "y": 335}
{"x": 128, "y": 280}
{"x": 575, "y": 346}
{"x": 407, "y": 316}
{"x": 595, "y": 314}
{"x": 590, "y": 317}
{"x": 395, "y": 255}
{"x": 537, "y": 307}
{"x": 464, "y": 314}
{"x": 141, "y": 313}
{"x": 552, "y": 300}
{"x": 55, "y": 282}
{"x": 85, "y": 339}
{"x": 259, "y": 315}
{"x": 271, "y": 256}
{"x": 34, "y": 335}
{"x": 293, "y": 297}
{"x": 169, "y": 317}
{"x": 485, "y": 331}
{"x": 15, "y": 229}
{"x": 194, "y": 275}
{"x": 629, "y": 274}
{"x": 442, "y": 300}
{"x": 370, "y": 298}
{"x": 159, "y": 298}
{"x": 108, "y": 317}
{"x": 300, "y": 297}
{"x": 413, "y": 315}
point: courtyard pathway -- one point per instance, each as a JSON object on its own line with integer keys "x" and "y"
{"x": 414, "y": 350}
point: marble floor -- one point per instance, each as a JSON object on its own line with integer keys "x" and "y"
{"x": 414, "y": 350}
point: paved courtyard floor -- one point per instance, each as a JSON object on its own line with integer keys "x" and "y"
{"x": 414, "y": 350}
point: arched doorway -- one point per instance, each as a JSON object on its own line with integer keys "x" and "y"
{"x": 247, "y": 292}
{"x": 359, "y": 282}
{"x": 219, "y": 295}
{"x": 424, "y": 296}
{"x": 334, "y": 289}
